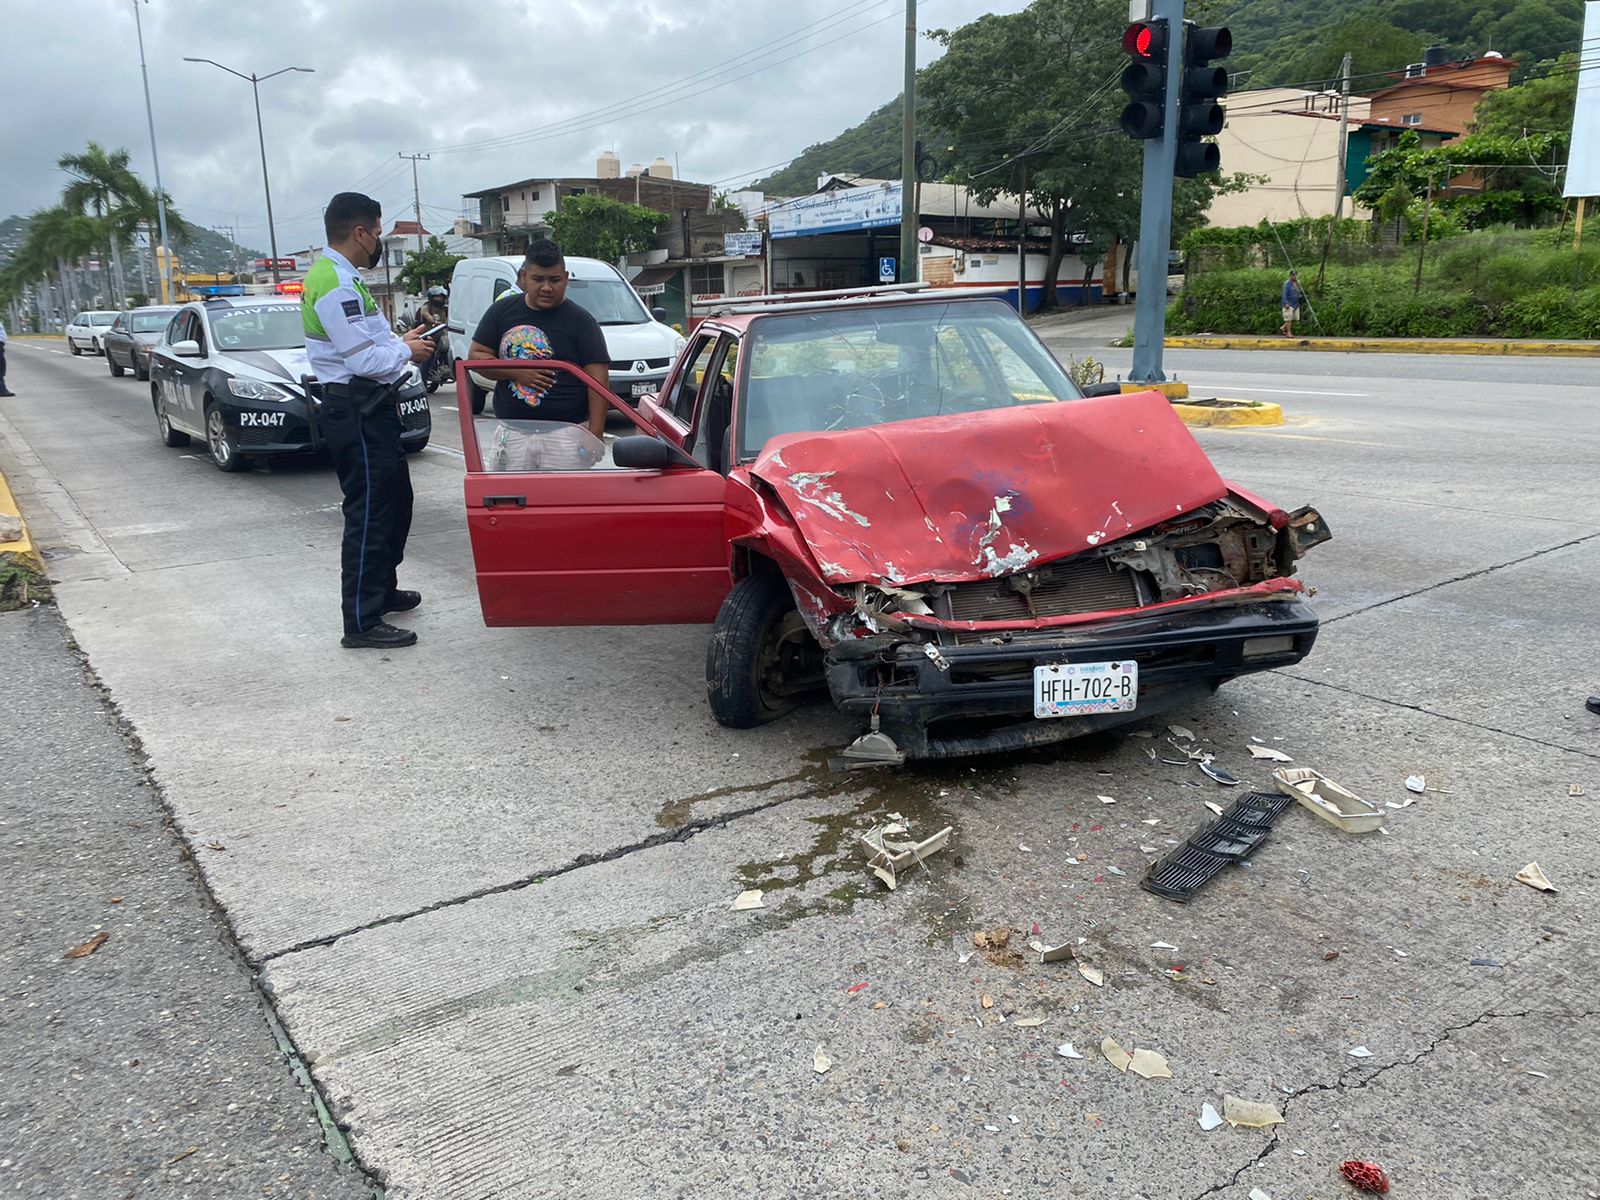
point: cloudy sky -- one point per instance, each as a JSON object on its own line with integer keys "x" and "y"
{"x": 496, "y": 90}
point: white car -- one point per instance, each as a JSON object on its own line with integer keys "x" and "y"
{"x": 232, "y": 371}
{"x": 88, "y": 329}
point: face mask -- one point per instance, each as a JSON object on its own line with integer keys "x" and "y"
{"x": 376, "y": 256}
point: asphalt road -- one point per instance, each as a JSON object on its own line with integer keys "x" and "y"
{"x": 488, "y": 880}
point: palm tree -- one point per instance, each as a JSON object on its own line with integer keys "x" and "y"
{"x": 55, "y": 238}
{"x": 104, "y": 182}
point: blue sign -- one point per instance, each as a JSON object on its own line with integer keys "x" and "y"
{"x": 886, "y": 270}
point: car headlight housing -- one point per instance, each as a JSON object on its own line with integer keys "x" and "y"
{"x": 678, "y": 344}
{"x": 255, "y": 389}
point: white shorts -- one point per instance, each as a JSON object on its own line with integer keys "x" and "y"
{"x": 558, "y": 446}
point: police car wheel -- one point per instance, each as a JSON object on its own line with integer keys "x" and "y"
{"x": 220, "y": 440}
{"x": 169, "y": 435}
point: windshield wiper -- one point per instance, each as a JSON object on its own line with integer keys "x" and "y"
{"x": 622, "y": 322}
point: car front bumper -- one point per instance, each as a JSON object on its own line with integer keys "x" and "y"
{"x": 259, "y": 432}
{"x": 982, "y": 700}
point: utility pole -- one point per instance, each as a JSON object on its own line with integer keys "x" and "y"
{"x": 909, "y": 266}
{"x": 1155, "y": 211}
{"x": 1022, "y": 242}
{"x": 163, "y": 260}
{"x": 416, "y": 193}
{"x": 1344, "y": 135}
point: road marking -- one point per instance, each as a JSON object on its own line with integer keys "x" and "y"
{"x": 53, "y": 350}
{"x": 449, "y": 408}
{"x": 1233, "y": 387}
{"x": 1304, "y": 437}
{"x": 444, "y": 450}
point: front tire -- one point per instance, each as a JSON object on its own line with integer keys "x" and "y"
{"x": 758, "y": 645}
{"x": 222, "y": 442}
{"x": 73, "y": 346}
{"x": 116, "y": 367}
{"x": 169, "y": 435}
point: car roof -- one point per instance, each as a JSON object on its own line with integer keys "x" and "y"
{"x": 211, "y": 303}
{"x": 740, "y": 319}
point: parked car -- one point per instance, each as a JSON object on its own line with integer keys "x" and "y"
{"x": 87, "y": 329}
{"x": 127, "y": 343}
{"x": 907, "y": 500}
{"x": 233, "y": 372}
{"x": 640, "y": 346}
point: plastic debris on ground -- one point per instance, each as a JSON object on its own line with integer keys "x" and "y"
{"x": 1178, "y": 731}
{"x": 1224, "y": 777}
{"x": 1534, "y": 877}
{"x": 890, "y": 851}
{"x": 1028, "y": 1022}
{"x": 1359, "y": 1052}
{"x": 1257, "y": 1194}
{"x": 1209, "y": 1117}
{"x": 1335, "y": 804}
{"x": 872, "y": 749}
{"x": 1055, "y": 953}
{"x": 1416, "y": 783}
{"x": 1066, "y": 1050}
{"x": 820, "y": 1062}
{"x": 1251, "y": 1114}
{"x": 1238, "y": 832}
{"x": 1162, "y": 946}
{"x": 1093, "y": 974}
{"x": 1115, "y": 1054}
{"x": 1106, "y": 799}
{"x": 1269, "y": 753}
{"x": 1148, "y": 1064}
{"x": 1574, "y": 789}
{"x": 748, "y": 900}
{"x": 1368, "y": 1176}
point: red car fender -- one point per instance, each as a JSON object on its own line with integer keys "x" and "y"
{"x": 1270, "y": 512}
{"x": 756, "y": 527}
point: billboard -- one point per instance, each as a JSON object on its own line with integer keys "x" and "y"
{"x": 746, "y": 243}
{"x": 1583, "y": 160}
{"x": 837, "y": 212}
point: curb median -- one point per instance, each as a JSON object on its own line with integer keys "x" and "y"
{"x": 1483, "y": 346}
{"x": 22, "y": 578}
{"x": 1227, "y": 414}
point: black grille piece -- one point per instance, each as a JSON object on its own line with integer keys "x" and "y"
{"x": 625, "y": 365}
{"x": 1086, "y": 585}
{"x": 1231, "y": 838}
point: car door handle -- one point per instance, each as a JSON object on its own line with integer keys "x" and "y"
{"x": 497, "y": 501}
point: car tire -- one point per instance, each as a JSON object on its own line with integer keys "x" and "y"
{"x": 222, "y": 444}
{"x": 73, "y": 346}
{"x": 116, "y": 367}
{"x": 169, "y": 435}
{"x": 477, "y": 397}
{"x": 414, "y": 447}
{"x": 142, "y": 375}
{"x": 745, "y": 658}
{"x": 97, "y": 346}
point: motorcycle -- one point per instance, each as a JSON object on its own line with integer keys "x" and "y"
{"x": 440, "y": 369}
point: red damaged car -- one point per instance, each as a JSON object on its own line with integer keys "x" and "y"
{"x": 905, "y": 499}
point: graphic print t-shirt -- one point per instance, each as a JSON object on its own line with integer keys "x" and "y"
{"x": 566, "y": 333}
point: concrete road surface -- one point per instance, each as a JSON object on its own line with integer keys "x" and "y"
{"x": 487, "y": 880}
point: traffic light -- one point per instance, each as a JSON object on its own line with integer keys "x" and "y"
{"x": 1199, "y": 114}
{"x": 1145, "y": 79}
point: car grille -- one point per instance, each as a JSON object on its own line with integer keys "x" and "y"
{"x": 1089, "y": 585}
{"x": 654, "y": 364}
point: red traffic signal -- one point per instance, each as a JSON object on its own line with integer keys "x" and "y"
{"x": 1145, "y": 39}
{"x": 1145, "y": 79}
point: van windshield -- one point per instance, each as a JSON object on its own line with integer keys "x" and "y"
{"x": 609, "y": 301}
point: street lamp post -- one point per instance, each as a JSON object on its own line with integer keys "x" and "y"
{"x": 164, "y": 260}
{"x": 266, "y": 185}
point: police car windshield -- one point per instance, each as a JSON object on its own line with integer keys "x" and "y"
{"x": 268, "y": 327}
{"x": 609, "y": 301}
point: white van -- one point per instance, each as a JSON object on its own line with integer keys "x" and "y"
{"x": 640, "y": 346}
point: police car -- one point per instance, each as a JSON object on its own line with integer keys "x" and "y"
{"x": 232, "y": 371}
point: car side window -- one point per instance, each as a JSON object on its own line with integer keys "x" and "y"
{"x": 174, "y": 332}
{"x": 708, "y": 437}
{"x": 197, "y": 332}
{"x": 687, "y": 388}
{"x": 121, "y": 323}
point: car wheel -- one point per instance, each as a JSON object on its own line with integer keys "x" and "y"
{"x": 73, "y": 346}
{"x": 169, "y": 435}
{"x": 116, "y": 367}
{"x": 756, "y": 663}
{"x": 477, "y": 396}
{"x": 97, "y": 346}
{"x": 142, "y": 374}
{"x": 222, "y": 442}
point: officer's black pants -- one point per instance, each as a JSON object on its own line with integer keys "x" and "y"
{"x": 377, "y": 504}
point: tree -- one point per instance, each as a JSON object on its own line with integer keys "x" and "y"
{"x": 102, "y": 181}
{"x": 1516, "y": 183}
{"x": 596, "y": 227}
{"x": 433, "y": 264}
{"x": 1539, "y": 105}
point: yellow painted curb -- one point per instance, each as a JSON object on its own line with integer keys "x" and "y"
{"x": 8, "y": 508}
{"x": 1489, "y": 346}
{"x": 1172, "y": 390}
{"x": 1235, "y": 413}
{"x": 22, "y": 577}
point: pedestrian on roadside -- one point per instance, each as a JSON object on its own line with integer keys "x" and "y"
{"x": 1292, "y": 296}
{"x": 358, "y": 359}
{"x": 540, "y": 322}
{"x": 4, "y": 390}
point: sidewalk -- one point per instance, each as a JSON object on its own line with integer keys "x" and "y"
{"x": 147, "y": 1067}
{"x": 1374, "y": 345}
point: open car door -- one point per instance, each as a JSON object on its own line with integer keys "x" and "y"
{"x": 563, "y": 536}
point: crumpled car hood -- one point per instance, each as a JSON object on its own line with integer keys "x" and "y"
{"x": 977, "y": 495}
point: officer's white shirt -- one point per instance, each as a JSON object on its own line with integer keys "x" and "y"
{"x": 359, "y": 342}
{"x": 2, "y": 333}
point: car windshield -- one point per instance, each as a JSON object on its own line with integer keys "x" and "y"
{"x": 851, "y": 368}
{"x": 151, "y": 322}
{"x": 104, "y": 318}
{"x": 267, "y": 327}
{"x": 609, "y": 301}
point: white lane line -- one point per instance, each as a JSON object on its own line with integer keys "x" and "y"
{"x": 443, "y": 450}
{"x": 1233, "y": 387}
{"x": 449, "y": 408}
{"x": 53, "y": 350}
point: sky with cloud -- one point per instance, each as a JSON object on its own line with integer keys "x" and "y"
{"x": 495, "y": 90}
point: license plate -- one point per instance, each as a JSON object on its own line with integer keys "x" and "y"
{"x": 643, "y": 389}
{"x": 261, "y": 420}
{"x": 412, "y": 407}
{"x": 1079, "y": 689}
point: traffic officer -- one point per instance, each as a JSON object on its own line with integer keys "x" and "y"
{"x": 356, "y": 357}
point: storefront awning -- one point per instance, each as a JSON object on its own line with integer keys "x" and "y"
{"x": 652, "y": 281}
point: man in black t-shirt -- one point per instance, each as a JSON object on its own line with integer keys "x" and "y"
{"x": 540, "y": 322}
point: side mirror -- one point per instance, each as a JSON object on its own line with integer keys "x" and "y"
{"x": 644, "y": 453}
{"x": 186, "y": 349}
{"x": 659, "y": 313}
{"x": 1103, "y": 389}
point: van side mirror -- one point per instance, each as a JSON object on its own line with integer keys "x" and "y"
{"x": 1103, "y": 389}
{"x": 659, "y": 314}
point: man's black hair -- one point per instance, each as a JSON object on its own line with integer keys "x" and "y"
{"x": 347, "y": 210}
{"x": 544, "y": 253}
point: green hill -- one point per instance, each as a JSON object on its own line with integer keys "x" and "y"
{"x": 208, "y": 252}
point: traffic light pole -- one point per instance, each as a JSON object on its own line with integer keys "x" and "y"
{"x": 1155, "y": 211}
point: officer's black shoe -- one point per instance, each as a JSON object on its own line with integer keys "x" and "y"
{"x": 6, "y": 392}
{"x": 1593, "y": 705}
{"x": 381, "y": 636}
{"x": 401, "y": 600}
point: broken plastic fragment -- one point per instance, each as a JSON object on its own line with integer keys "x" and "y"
{"x": 1066, "y": 1050}
{"x": 1093, "y": 974}
{"x": 1115, "y": 1054}
{"x": 1055, "y": 953}
{"x": 888, "y": 852}
{"x": 1115, "y": 870}
{"x": 1360, "y": 1052}
{"x": 1209, "y": 1118}
{"x": 1106, "y": 799}
{"x": 1574, "y": 789}
{"x": 1257, "y": 1194}
{"x": 748, "y": 900}
{"x": 820, "y": 1062}
{"x": 1028, "y": 1022}
{"x": 1224, "y": 777}
{"x": 987, "y": 1001}
{"x": 1416, "y": 783}
{"x": 1149, "y": 1064}
{"x": 1162, "y": 946}
{"x": 1214, "y": 807}
{"x": 1178, "y": 731}
{"x": 1269, "y": 753}
{"x": 1252, "y": 1114}
{"x": 1535, "y": 878}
